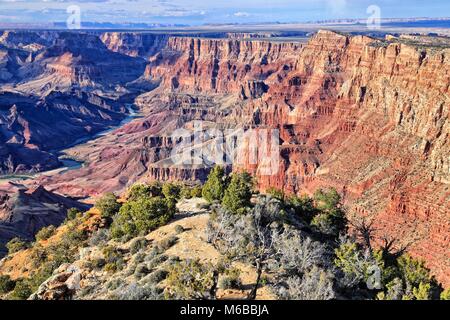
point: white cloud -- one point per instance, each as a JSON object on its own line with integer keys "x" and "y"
{"x": 241, "y": 14}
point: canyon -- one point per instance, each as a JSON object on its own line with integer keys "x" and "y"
{"x": 367, "y": 116}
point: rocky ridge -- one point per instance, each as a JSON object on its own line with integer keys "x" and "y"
{"x": 27, "y": 210}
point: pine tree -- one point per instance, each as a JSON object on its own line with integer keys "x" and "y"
{"x": 238, "y": 194}
{"x": 214, "y": 188}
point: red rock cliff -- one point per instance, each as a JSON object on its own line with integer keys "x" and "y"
{"x": 365, "y": 116}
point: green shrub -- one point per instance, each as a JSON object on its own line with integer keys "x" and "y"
{"x": 73, "y": 213}
{"x": 41, "y": 275}
{"x": 179, "y": 229}
{"x": 75, "y": 236}
{"x": 156, "y": 261}
{"x": 348, "y": 259}
{"x": 331, "y": 218}
{"x": 238, "y": 194}
{"x": 422, "y": 292}
{"x": 39, "y": 255}
{"x": 113, "y": 259}
{"x": 185, "y": 192}
{"x": 189, "y": 280}
{"x": 157, "y": 276}
{"x": 196, "y": 192}
{"x": 166, "y": 244}
{"x": 65, "y": 250}
{"x": 98, "y": 263}
{"x": 114, "y": 284}
{"x": 191, "y": 192}
{"x": 108, "y": 205}
{"x": 16, "y": 245}
{"x": 22, "y": 290}
{"x": 230, "y": 280}
{"x": 141, "y": 217}
{"x": 227, "y": 283}
{"x": 303, "y": 207}
{"x": 137, "y": 245}
{"x": 413, "y": 271}
{"x": 327, "y": 200}
{"x": 214, "y": 188}
{"x": 171, "y": 191}
{"x": 45, "y": 233}
{"x": 140, "y": 271}
{"x": 445, "y": 295}
{"x": 6, "y": 284}
{"x": 139, "y": 257}
{"x": 393, "y": 291}
{"x": 139, "y": 191}
{"x": 276, "y": 193}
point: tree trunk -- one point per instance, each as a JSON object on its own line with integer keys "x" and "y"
{"x": 213, "y": 290}
{"x": 259, "y": 268}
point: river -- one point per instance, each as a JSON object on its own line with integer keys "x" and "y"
{"x": 67, "y": 162}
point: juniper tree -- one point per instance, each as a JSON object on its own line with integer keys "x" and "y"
{"x": 248, "y": 237}
{"x": 137, "y": 191}
{"x": 108, "y": 205}
{"x": 238, "y": 194}
{"x": 214, "y": 188}
{"x": 330, "y": 219}
{"x": 141, "y": 216}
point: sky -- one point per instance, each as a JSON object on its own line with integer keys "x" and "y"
{"x": 198, "y": 12}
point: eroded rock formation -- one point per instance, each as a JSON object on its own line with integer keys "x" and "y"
{"x": 24, "y": 211}
{"x": 367, "y": 116}
{"x": 58, "y": 88}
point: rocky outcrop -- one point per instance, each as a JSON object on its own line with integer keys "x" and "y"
{"x": 79, "y": 59}
{"x": 61, "y": 286}
{"x": 217, "y": 66}
{"x": 24, "y": 211}
{"x": 27, "y": 40}
{"x": 41, "y": 62}
{"x": 135, "y": 44}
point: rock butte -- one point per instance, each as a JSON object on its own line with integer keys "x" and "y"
{"x": 366, "y": 116}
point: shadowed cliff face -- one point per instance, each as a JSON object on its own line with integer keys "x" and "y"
{"x": 135, "y": 44}
{"x": 58, "y": 88}
{"x": 368, "y": 117}
{"x": 26, "y": 211}
{"x": 31, "y": 128}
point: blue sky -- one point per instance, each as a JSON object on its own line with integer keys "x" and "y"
{"x": 215, "y": 11}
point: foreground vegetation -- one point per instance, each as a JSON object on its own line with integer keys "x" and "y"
{"x": 300, "y": 248}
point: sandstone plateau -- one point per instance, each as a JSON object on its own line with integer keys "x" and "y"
{"x": 366, "y": 116}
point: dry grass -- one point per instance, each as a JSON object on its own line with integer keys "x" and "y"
{"x": 192, "y": 244}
